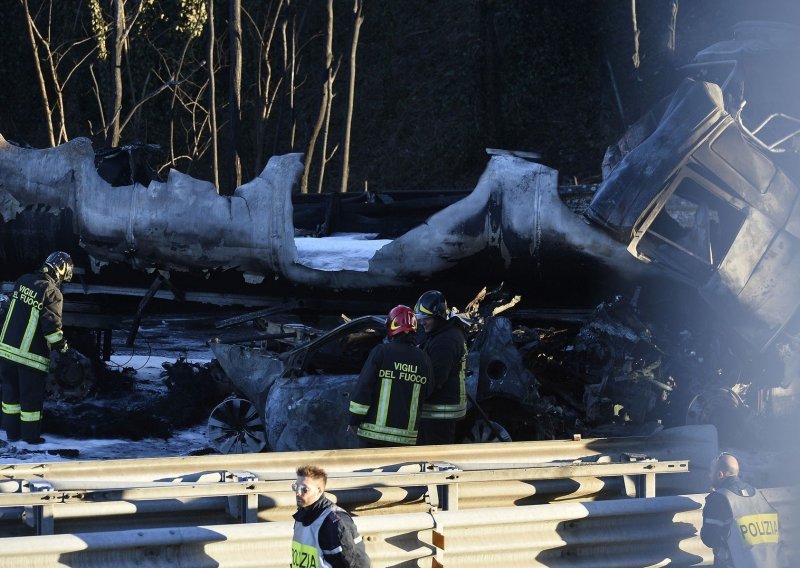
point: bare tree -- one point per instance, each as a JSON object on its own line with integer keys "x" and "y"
{"x": 267, "y": 92}
{"x": 115, "y": 100}
{"x": 212, "y": 96}
{"x": 235, "y": 36}
{"x": 53, "y": 56}
{"x": 290, "y": 28}
{"x": 324, "y": 156}
{"x": 358, "y": 10}
{"x": 48, "y": 112}
{"x": 121, "y": 27}
{"x": 323, "y": 109}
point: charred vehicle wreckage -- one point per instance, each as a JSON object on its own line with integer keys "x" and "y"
{"x": 681, "y": 268}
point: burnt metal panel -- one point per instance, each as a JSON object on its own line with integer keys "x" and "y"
{"x": 695, "y": 113}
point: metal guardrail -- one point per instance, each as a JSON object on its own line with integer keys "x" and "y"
{"x": 625, "y": 533}
{"x": 242, "y": 490}
{"x": 696, "y": 443}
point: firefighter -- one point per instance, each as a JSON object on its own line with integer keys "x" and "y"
{"x": 446, "y": 345}
{"x": 393, "y": 383}
{"x": 324, "y": 534}
{"x": 31, "y": 332}
{"x": 739, "y": 525}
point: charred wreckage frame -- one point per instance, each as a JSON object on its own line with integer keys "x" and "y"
{"x": 691, "y": 197}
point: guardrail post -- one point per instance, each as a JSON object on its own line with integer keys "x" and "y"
{"x": 645, "y": 483}
{"x": 444, "y": 497}
{"x": 243, "y": 508}
{"x": 39, "y": 517}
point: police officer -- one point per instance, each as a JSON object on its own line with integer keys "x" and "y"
{"x": 384, "y": 409}
{"x": 446, "y": 345}
{"x": 739, "y": 525}
{"x": 324, "y": 534}
{"x": 31, "y": 331}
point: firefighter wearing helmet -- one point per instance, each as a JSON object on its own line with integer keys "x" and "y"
{"x": 31, "y": 332}
{"x": 446, "y": 345}
{"x": 393, "y": 384}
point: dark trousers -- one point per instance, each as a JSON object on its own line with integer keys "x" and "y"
{"x": 436, "y": 432}
{"x": 23, "y": 398}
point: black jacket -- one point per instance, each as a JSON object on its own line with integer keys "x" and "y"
{"x": 32, "y": 325}
{"x": 447, "y": 348}
{"x": 390, "y": 390}
{"x": 337, "y": 530}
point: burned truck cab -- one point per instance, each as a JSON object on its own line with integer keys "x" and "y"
{"x": 712, "y": 206}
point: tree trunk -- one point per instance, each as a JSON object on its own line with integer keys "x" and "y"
{"x": 323, "y": 104}
{"x": 115, "y": 100}
{"x": 48, "y": 116}
{"x": 212, "y": 95}
{"x": 358, "y": 9}
{"x": 235, "y": 32}
{"x": 267, "y": 97}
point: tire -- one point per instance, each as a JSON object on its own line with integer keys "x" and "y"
{"x": 235, "y": 427}
{"x": 481, "y": 431}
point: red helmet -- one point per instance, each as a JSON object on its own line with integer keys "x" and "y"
{"x": 401, "y": 320}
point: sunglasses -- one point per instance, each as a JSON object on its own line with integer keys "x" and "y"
{"x": 303, "y": 489}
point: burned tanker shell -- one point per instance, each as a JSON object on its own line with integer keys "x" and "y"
{"x": 183, "y": 224}
{"x": 310, "y": 413}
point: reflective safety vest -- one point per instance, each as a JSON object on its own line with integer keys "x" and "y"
{"x": 306, "y": 551}
{"x": 392, "y": 385}
{"x": 754, "y": 536}
{"x": 33, "y": 322}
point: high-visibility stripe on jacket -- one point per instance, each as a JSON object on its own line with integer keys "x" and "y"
{"x": 754, "y": 537}
{"x": 392, "y": 385}
{"x": 33, "y": 322}
{"x": 447, "y": 349}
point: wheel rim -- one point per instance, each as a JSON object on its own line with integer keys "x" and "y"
{"x": 481, "y": 432}
{"x": 235, "y": 427}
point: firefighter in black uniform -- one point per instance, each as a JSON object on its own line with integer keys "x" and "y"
{"x": 739, "y": 525}
{"x": 30, "y": 332}
{"x": 446, "y": 345}
{"x": 393, "y": 383}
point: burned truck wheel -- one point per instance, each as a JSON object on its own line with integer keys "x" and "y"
{"x": 722, "y": 408}
{"x": 235, "y": 427}
{"x": 481, "y": 431}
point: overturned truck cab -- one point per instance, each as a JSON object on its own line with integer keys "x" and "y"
{"x": 707, "y": 202}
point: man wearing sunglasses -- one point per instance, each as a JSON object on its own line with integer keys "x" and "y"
{"x": 739, "y": 525}
{"x": 324, "y": 534}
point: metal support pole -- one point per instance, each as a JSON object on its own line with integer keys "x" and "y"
{"x": 243, "y": 508}
{"x": 40, "y": 517}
